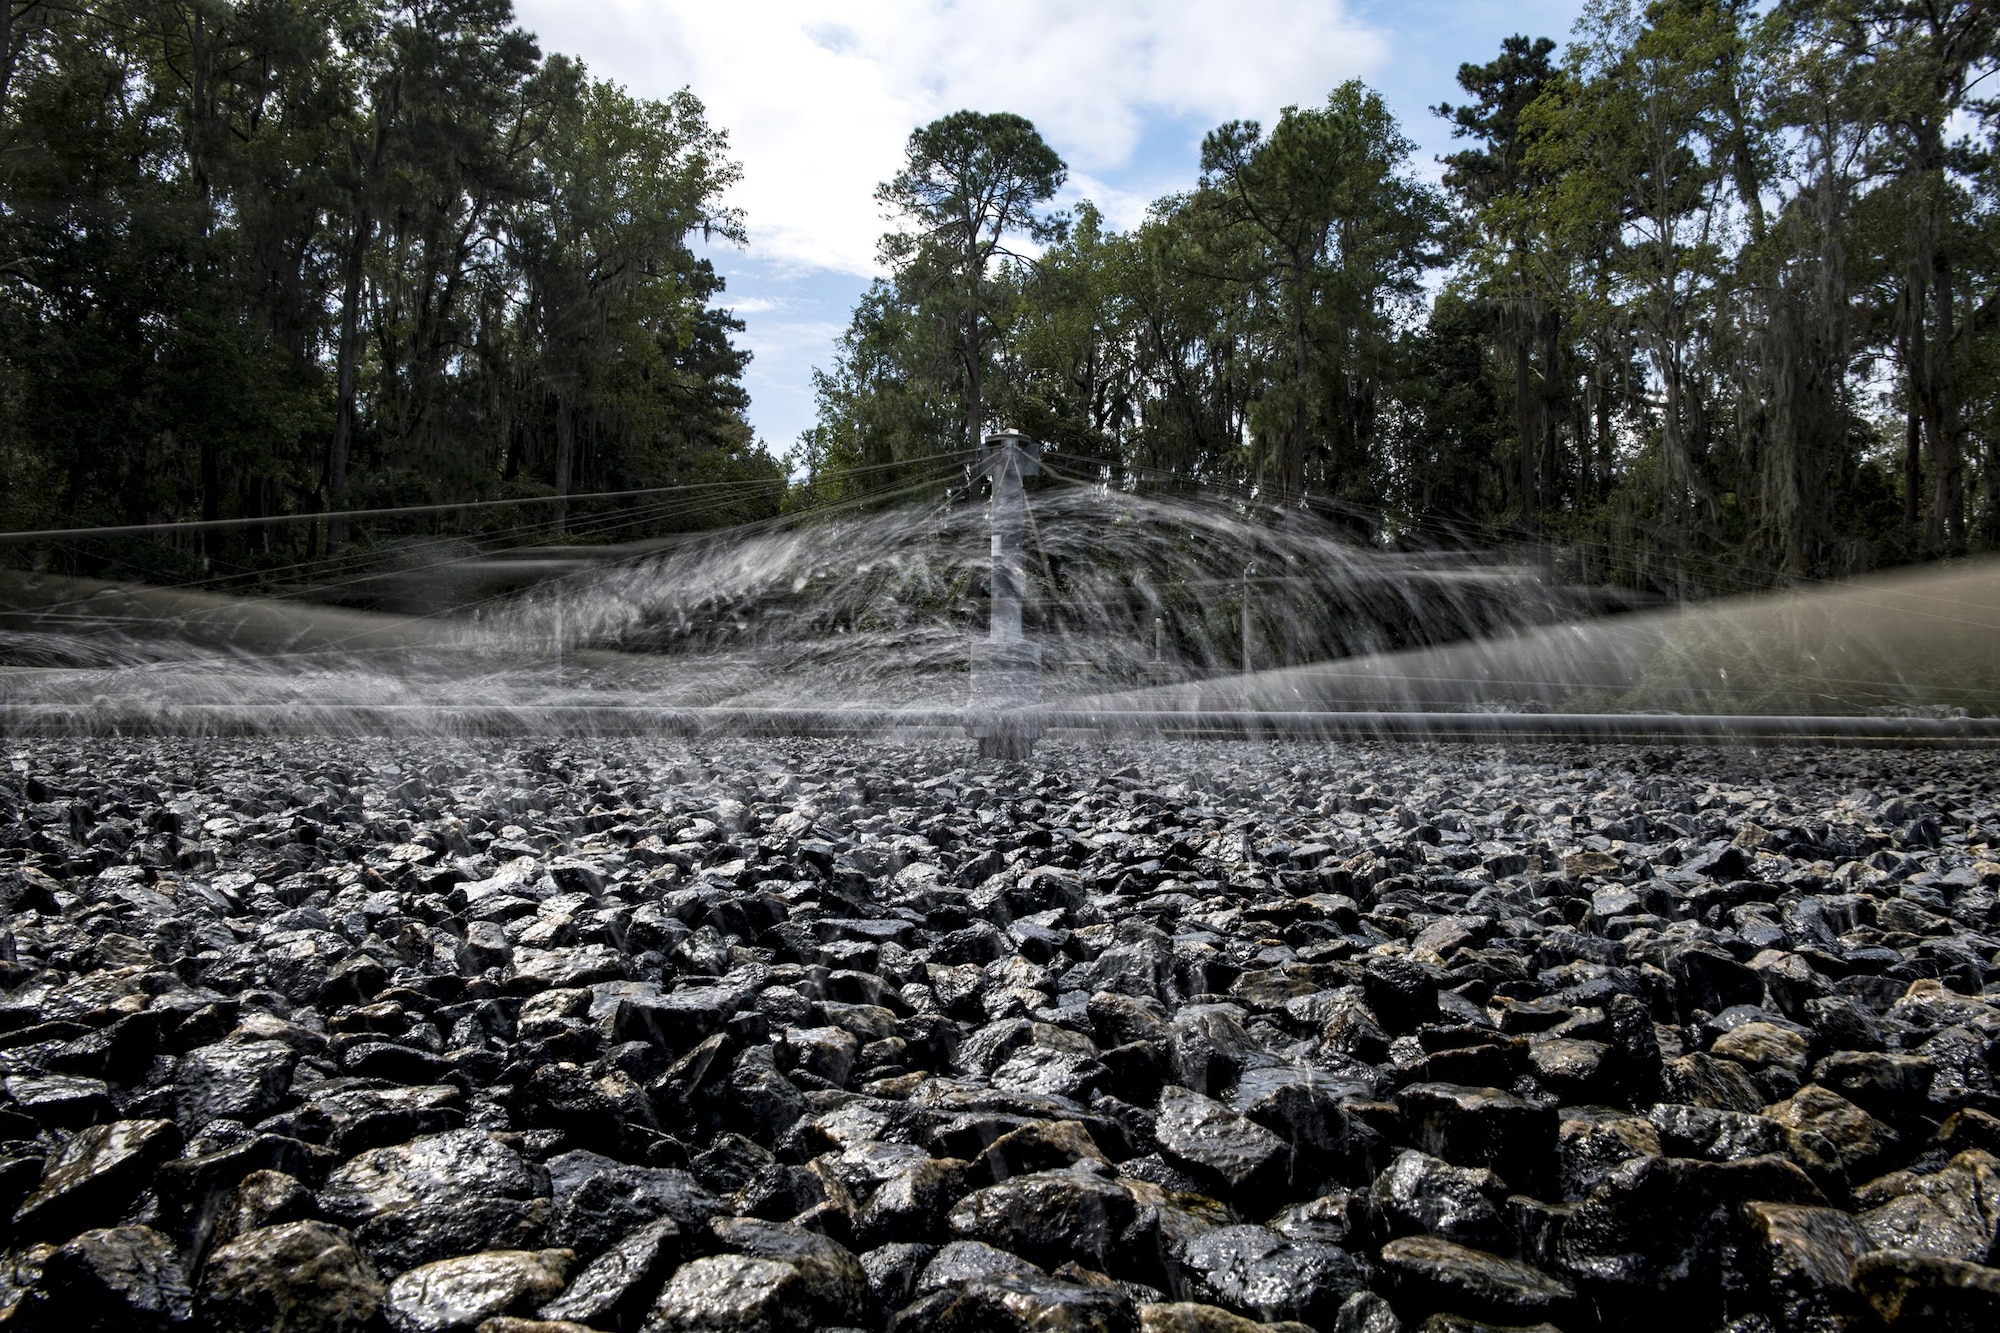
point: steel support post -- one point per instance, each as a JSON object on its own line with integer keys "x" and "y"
{"x": 1006, "y": 667}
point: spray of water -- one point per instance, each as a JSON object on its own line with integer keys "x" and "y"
{"x": 1139, "y": 602}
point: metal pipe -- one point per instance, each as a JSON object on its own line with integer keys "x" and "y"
{"x": 1442, "y": 726}
{"x": 642, "y": 719}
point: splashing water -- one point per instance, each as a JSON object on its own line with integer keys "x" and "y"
{"x": 1137, "y": 601}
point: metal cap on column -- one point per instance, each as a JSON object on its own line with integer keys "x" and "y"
{"x": 1006, "y": 668}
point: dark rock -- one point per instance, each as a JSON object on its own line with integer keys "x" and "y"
{"x": 1704, "y": 1080}
{"x": 1420, "y": 1193}
{"x": 394, "y": 1063}
{"x": 1345, "y": 1218}
{"x": 116, "y": 1279}
{"x": 438, "y": 1197}
{"x": 1302, "y": 1107}
{"x": 262, "y": 1199}
{"x": 780, "y": 1279}
{"x": 1400, "y": 992}
{"x": 964, "y": 1261}
{"x": 1798, "y": 1260}
{"x": 1255, "y": 1271}
{"x": 1857, "y": 1139}
{"x": 1482, "y": 1127}
{"x": 1924, "y": 1292}
{"x": 1711, "y": 980}
{"x": 61, "y": 1101}
{"x": 1020, "y": 1303}
{"x": 245, "y": 1080}
{"x": 893, "y": 1271}
{"x": 1590, "y": 1144}
{"x": 353, "y": 1119}
{"x": 1205, "y": 1137}
{"x": 1774, "y": 1057}
{"x": 618, "y": 1286}
{"x": 298, "y": 1277}
{"x": 1661, "y": 1226}
{"x": 1040, "y": 1145}
{"x": 96, "y": 1174}
{"x": 1365, "y": 1312}
{"x": 1048, "y": 1217}
{"x": 912, "y": 1204}
{"x": 1883, "y": 1084}
{"x": 1953, "y": 1212}
{"x": 598, "y": 1200}
{"x": 1209, "y": 1049}
{"x": 1194, "y": 1317}
{"x": 1432, "y": 1272}
{"x": 459, "y": 1293}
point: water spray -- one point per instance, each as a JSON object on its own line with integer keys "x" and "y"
{"x": 1006, "y": 667}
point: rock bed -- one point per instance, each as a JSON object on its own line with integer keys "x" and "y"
{"x": 1187, "y": 1038}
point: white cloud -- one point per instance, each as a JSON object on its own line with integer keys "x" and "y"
{"x": 818, "y": 107}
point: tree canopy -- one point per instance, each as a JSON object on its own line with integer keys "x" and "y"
{"x": 271, "y": 257}
{"x": 1705, "y": 299}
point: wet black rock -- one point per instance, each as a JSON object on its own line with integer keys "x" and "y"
{"x": 1910, "y": 1291}
{"x": 95, "y": 1174}
{"x": 1418, "y": 1193}
{"x": 776, "y": 1278}
{"x": 1429, "y": 1272}
{"x": 1171, "y": 1037}
{"x": 458, "y": 1293}
{"x": 1194, "y": 1317}
{"x": 110, "y": 1280}
{"x": 618, "y": 1285}
{"x": 597, "y": 1200}
{"x": 437, "y": 1197}
{"x": 292, "y": 1278}
{"x": 1255, "y": 1271}
{"x": 1049, "y": 1217}
{"x": 1242, "y": 1158}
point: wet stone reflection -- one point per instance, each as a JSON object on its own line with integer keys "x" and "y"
{"x": 1185, "y": 1037}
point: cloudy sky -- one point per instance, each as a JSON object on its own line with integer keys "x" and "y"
{"x": 819, "y": 100}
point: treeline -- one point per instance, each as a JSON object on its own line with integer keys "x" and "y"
{"x": 1707, "y": 299}
{"x": 270, "y": 257}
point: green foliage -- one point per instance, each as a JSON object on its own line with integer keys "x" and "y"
{"x": 1709, "y": 299}
{"x": 269, "y": 257}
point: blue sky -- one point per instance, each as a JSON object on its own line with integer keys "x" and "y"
{"x": 818, "y": 100}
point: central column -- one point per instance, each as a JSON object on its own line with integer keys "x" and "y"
{"x": 1006, "y": 668}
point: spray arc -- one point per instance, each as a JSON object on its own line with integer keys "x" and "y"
{"x": 1006, "y": 667}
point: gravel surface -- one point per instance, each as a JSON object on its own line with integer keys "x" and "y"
{"x": 1183, "y": 1038}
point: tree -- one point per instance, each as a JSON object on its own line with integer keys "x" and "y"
{"x": 1518, "y": 294}
{"x": 969, "y": 183}
{"x": 1634, "y": 145}
{"x": 1337, "y": 239}
{"x": 264, "y": 257}
{"x": 600, "y": 240}
{"x": 1915, "y": 68}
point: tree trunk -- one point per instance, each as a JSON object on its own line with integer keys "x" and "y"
{"x": 6, "y": 48}
{"x": 1551, "y": 461}
{"x": 1292, "y": 470}
{"x": 1910, "y": 340}
{"x": 1947, "y": 513}
{"x": 565, "y": 457}
{"x": 1524, "y": 429}
{"x": 974, "y": 414}
{"x": 343, "y": 416}
{"x": 1606, "y": 452}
